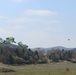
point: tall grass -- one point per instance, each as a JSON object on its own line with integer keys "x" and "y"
{"x": 42, "y": 69}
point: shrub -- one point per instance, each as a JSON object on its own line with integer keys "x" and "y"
{"x": 73, "y": 60}
{"x": 18, "y": 60}
{"x": 45, "y": 60}
{"x": 67, "y": 69}
{"x": 39, "y": 61}
{"x": 6, "y": 70}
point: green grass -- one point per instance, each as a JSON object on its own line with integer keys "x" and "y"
{"x": 42, "y": 69}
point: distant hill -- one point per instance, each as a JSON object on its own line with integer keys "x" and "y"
{"x": 56, "y": 47}
{"x": 61, "y": 47}
{"x": 74, "y": 49}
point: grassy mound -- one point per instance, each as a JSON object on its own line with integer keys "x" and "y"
{"x": 6, "y": 70}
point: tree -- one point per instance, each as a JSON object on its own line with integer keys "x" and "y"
{"x": 10, "y": 40}
{"x": 36, "y": 55}
{"x": 41, "y": 53}
{"x": 1, "y": 51}
{"x": 1, "y": 41}
{"x": 17, "y": 52}
{"x": 23, "y": 46}
{"x": 10, "y": 59}
{"x": 54, "y": 57}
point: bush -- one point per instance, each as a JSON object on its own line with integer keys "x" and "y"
{"x": 39, "y": 61}
{"x": 6, "y": 70}
{"x": 73, "y": 60}
{"x": 45, "y": 60}
{"x": 67, "y": 69}
{"x": 18, "y": 60}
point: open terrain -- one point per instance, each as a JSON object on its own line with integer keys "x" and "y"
{"x": 62, "y": 68}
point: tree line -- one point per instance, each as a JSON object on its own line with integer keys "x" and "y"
{"x": 21, "y": 54}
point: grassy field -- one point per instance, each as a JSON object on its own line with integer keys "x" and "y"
{"x": 63, "y": 68}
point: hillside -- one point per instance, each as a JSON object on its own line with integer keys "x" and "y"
{"x": 74, "y": 49}
{"x": 50, "y": 48}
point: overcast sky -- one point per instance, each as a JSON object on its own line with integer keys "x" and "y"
{"x": 39, "y": 23}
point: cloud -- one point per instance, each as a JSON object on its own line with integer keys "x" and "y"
{"x": 6, "y": 32}
{"x": 10, "y": 31}
{"x": 3, "y": 17}
{"x": 17, "y": 27}
{"x": 18, "y": 1}
{"x": 28, "y": 20}
{"x": 40, "y": 12}
{"x": 50, "y": 22}
{"x": 21, "y": 20}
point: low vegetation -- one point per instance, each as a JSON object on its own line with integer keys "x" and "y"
{"x": 6, "y": 70}
{"x": 60, "y": 68}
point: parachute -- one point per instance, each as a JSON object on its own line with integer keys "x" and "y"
{"x": 68, "y": 39}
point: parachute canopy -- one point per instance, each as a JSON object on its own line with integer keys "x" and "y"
{"x": 68, "y": 39}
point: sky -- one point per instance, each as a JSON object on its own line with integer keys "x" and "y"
{"x": 39, "y": 23}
